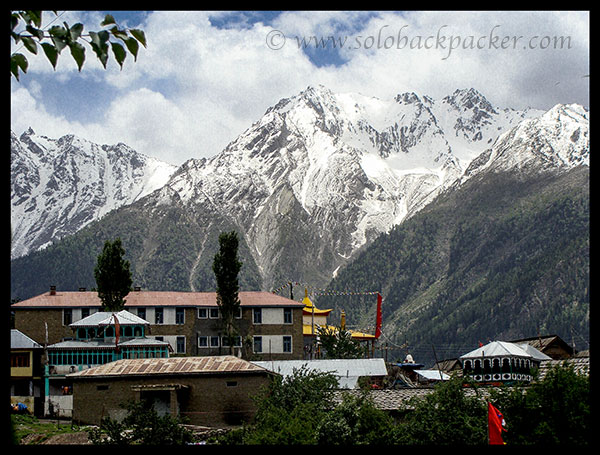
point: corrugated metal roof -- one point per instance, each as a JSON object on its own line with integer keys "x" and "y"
{"x": 108, "y": 318}
{"x": 346, "y": 370}
{"x": 496, "y": 348}
{"x": 154, "y": 298}
{"x": 433, "y": 375}
{"x": 18, "y": 340}
{"x": 171, "y": 366}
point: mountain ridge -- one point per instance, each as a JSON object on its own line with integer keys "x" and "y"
{"x": 313, "y": 181}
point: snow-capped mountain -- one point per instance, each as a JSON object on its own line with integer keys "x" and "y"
{"x": 556, "y": 140}
{"x": 60, "y": 185}
{"x": 318, "y": 177}
{"x": 328, "y": 172}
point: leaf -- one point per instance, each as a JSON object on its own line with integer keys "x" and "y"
{"x": 18, "y": 61}
{"x": 133, "y": 47}
{"x": 139, "y": 35}
{"x": 29, "y": 44}
{"x": 35, "y": 17}
{"x": 108, "y": 19}
{"x": 39, "y": 34}
{"x": 59, "y": 37}
{"x": 75, "y": 31}
{"x": 121, "y": 34}
{"x": 99, "y": 46}
{"x": 78, "y": 53}
{"x": 51, "y": 53}
{"x": 119, "y": 52}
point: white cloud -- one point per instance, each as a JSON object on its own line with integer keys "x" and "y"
{"x": 196, "y": 86}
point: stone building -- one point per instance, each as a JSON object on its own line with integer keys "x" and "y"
{"x": 269, "y": 326}
{"x": 215, "y": 391}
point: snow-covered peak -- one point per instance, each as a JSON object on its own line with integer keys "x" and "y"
{"x": 60, "y": 185}
{"x": 558, "y": 139}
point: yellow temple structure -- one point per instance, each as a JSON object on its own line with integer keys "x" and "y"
{"x": 314, "y": 318}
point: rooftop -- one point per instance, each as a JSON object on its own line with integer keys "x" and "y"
{"x": 18, "y": 340}
{"x": 171, "y": 366}
{"x": 108, "y": 318}
{"x": 497, "y": 348}
{"x": 68, "y": 299}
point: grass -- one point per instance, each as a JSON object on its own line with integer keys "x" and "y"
{"x": 27, "y": 429}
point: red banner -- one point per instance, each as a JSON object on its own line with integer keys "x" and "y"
{"x": 495, "y": 425}
{"x": 378, "y": 324}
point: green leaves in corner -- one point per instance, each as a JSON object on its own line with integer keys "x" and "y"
{"x": 58, "y": 37}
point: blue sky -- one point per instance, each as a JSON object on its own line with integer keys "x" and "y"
{"x": 207, "y": 76}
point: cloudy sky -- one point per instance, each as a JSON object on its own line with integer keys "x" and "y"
{"x": 207, "y": 76}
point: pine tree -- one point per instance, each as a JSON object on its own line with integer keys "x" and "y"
{"x": 226, "y": 267}
{"x": 113, "y": 277}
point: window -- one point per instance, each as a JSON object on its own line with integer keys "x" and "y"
{"x": 141, "y": 312}
{"x": 67, "y": 316}
{"x": 180, "y": 348}
{"x": 257, "y": 345}
{"x": 287, "y": 315}
{"x": 202, "y": 313}
{"x": 287, "y": 344}
{"x": 214, "y": 341}
{"x": 214, "y": 313}
{"x": 231, "y": 383}
{"x": 19, "y": 360}
{"x": 202, "y": 341}
{"x": 179, "y": 315}
{"x": 257, "y": 315}
{"x": 85, "y": 312}
{"x": 158, "y": 316}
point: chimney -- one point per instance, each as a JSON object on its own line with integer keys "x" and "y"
{"x": 52, "y": 290}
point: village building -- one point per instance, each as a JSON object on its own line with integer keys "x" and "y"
{"x": 26, "y": 374}
{"x": 551, "y": 345}
{"x": 215, "y": 391}
{"x": 502, "y": 362}
{"x": 269, "y": 326}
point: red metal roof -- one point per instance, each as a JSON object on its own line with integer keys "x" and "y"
{"x": 172, "y": 366}
{"x": 67, "y": 299}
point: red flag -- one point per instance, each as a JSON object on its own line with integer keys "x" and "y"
{"x": 378, "y": 324}
{"x": 495, "y": 425}
{"x": 117, "y": 330}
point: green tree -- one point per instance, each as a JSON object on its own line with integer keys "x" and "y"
{"x": 58, "y": 37}
{"x": 142, "y": 425}
{"x": 555, "y": 410}
{"x": 447, "y": 416}
{"x": 339, "y": 344}
{"x": 226, "y": 267}
{"x": 290, "y": 408}
{"x": 356, "y": 421}
{"x": 113, "y": 277}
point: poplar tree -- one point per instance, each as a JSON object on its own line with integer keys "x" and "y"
{"x": 113, "y": 277}
{"x": 226, "y": 267}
